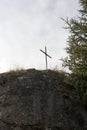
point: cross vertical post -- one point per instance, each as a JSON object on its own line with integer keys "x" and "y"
{"x": 46, "y": 55}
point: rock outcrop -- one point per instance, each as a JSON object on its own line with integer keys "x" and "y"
{"x": 39, "y": 100}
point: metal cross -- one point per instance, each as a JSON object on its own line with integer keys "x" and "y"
{"x": 46, "y": 55}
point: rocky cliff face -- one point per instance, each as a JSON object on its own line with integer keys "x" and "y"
{"x": 39, "y": 100}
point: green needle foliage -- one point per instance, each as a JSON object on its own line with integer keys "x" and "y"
{"x": 76, "y": 59}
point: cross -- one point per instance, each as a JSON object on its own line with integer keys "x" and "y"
{"x": 46, "y": 55}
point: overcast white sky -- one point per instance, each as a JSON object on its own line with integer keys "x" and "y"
{"x": 26, "y": 26}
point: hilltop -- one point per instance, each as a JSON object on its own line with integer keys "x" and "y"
{"x": 39, "y": 100}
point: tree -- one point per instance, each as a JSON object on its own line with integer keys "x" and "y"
{"x": 76, "y": 49}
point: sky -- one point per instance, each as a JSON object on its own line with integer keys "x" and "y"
{"x": 26, "y": 26}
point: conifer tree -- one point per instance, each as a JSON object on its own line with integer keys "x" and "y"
{"x": 76, "y": 49}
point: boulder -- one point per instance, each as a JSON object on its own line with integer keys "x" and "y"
{"x": 39, "y": 100}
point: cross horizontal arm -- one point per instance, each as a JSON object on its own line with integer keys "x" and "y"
{"x": 46, "y": 54}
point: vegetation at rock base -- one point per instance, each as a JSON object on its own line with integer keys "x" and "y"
{"x": 76, "y": 59}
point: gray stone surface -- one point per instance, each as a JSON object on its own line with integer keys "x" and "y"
{"x": 38, "y": 100}
{"x": 17, "y": 128}
{"x": 4, "y": 126}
